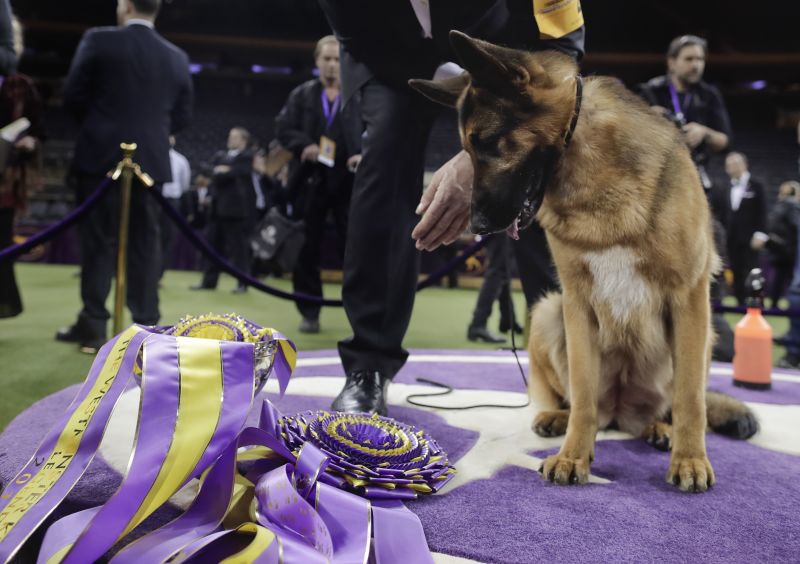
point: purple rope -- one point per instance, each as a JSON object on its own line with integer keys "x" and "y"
{"x": 453, "y": 263}
{"x": 13, "y": 251}
{"x": 210, "y": 253}
{"x": 770, "y": 312}
{"x": 223, "y": 264}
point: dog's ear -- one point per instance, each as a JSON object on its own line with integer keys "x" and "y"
{"x": 445, "y": 92}
{"x": 493, "y": 66}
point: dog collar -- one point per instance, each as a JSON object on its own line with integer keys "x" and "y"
{"x": 576, "y": 111}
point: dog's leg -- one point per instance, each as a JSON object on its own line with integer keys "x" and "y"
{"x": 571, "y": 464}
{"x": 689, "y": 467}
{"x": 547, "y": 354}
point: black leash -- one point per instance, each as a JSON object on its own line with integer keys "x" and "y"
{"x": 448, "y": 389}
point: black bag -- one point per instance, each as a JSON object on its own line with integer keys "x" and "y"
{"x": 278, "y": 240}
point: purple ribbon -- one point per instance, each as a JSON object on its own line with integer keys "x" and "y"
{"x": 47, "y": 459}
{"x": 676, "y": 103}
{"x": 301, "y": 510}
{"x": 328, "y": 109}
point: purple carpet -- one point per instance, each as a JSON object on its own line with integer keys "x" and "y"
{"x": 750, "y": 516}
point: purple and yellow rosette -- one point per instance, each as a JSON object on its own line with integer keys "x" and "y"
{"x": 376, "y": 457}
{"x": 284, "y": 491}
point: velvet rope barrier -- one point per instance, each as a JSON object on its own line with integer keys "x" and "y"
{"x": 13, "y": 251}
{"x": 211, "y": 254}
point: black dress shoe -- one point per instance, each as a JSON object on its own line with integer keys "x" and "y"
{"x": 71, "y": 334}
{"x": 364, "y": 391}
{"x": 308, "y": 325}
{"x": 483, "y": 334}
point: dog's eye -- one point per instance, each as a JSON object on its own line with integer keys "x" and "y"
{"x": 482, "y": 143}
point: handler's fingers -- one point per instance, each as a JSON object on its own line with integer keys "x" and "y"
{"x": 455, "y": 233}
{"x": 440, "y": 231}
{"x": 428, "y": 195}
{"x": 429, "y": 220}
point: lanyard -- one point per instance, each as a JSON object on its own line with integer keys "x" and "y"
{"x": 328, "y": 110}
{"x": 676, "y": 103}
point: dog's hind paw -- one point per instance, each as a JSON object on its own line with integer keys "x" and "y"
{"x": 565, "y": 471}
{"x": 691, "y": 474}
{"x": 551, "y": 423}
{"x": 658, "y": 435}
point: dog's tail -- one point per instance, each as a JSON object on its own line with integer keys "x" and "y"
{"x": 729, "y": 416}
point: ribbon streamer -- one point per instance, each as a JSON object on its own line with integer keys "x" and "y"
{"x": 315, "y": 487}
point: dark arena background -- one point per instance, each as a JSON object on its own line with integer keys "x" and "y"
{"x": 246, "y": 56}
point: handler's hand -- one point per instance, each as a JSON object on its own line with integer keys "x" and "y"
{"x": 445, "y": 204}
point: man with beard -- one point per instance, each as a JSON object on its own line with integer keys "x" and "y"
{"x": 692, "y": 104}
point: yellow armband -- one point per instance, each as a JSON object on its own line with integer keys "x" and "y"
{"x": 557, "y": 18}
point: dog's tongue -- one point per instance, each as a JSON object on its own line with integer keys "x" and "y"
{"x": 513, "y": 230}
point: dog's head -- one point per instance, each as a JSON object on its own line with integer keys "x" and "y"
{"x": 513, "y": 107}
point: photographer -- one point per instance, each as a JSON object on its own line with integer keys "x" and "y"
{"x": 692, "y": 104}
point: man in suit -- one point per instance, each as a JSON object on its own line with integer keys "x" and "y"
{"x": 745, "y": 219}
{"x": 232, "y": 202}
{"x": 384, "y": 44}
{"x": 126, "y": 84}
{"x": 326, "y": 141}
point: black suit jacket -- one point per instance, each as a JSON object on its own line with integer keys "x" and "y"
{"x": 127, "y": 84}
{"x": 232, "y": 191}
{"x": 383, "y": 38}
{"x": 749, "y": 218}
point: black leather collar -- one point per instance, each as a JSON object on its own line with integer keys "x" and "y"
{"x": 576, "y": 112}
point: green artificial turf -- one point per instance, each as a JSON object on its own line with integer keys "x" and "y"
{"x": 33, "y": 365}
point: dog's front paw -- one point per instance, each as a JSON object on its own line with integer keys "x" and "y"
{"x": 691, "y": 474}
{"x": 551, "y": 423}
{"x": 564, "y": 470}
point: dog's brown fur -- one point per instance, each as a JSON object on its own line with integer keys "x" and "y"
{"x": 628, "y": 340}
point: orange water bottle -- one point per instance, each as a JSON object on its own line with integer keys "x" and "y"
{"x": 752, "y": 340}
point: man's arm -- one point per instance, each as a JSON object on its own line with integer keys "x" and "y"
{"x": 79, "y": 85}
{"x": 8, "y": 57}
{"x": 717, "y": 133}
{"x": 289, "y": 123}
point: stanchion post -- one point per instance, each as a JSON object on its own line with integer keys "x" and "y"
{"x": 125, "y": 169}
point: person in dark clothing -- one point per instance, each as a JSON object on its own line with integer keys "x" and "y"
{"x": 693, "y": 105}
{"x": 126, "y": 84}
{"x": 744, "y": 216}
{"x": 781, "y": 238}
{"x": 18, "y": 99}
{"x": 326, "y": 139}
{"x": 384, "y": 44}
{"x": 232, "y": 204}
{"x": 496, "y": 286}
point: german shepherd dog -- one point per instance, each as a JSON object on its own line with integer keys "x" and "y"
{"x": 627, "y": 342}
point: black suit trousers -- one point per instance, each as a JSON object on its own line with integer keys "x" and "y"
{"x": 381, "y": 262}
{"x": 98, "y": 233}
{"x": 230, "y": 238}
{"x": 336, "y": 199}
